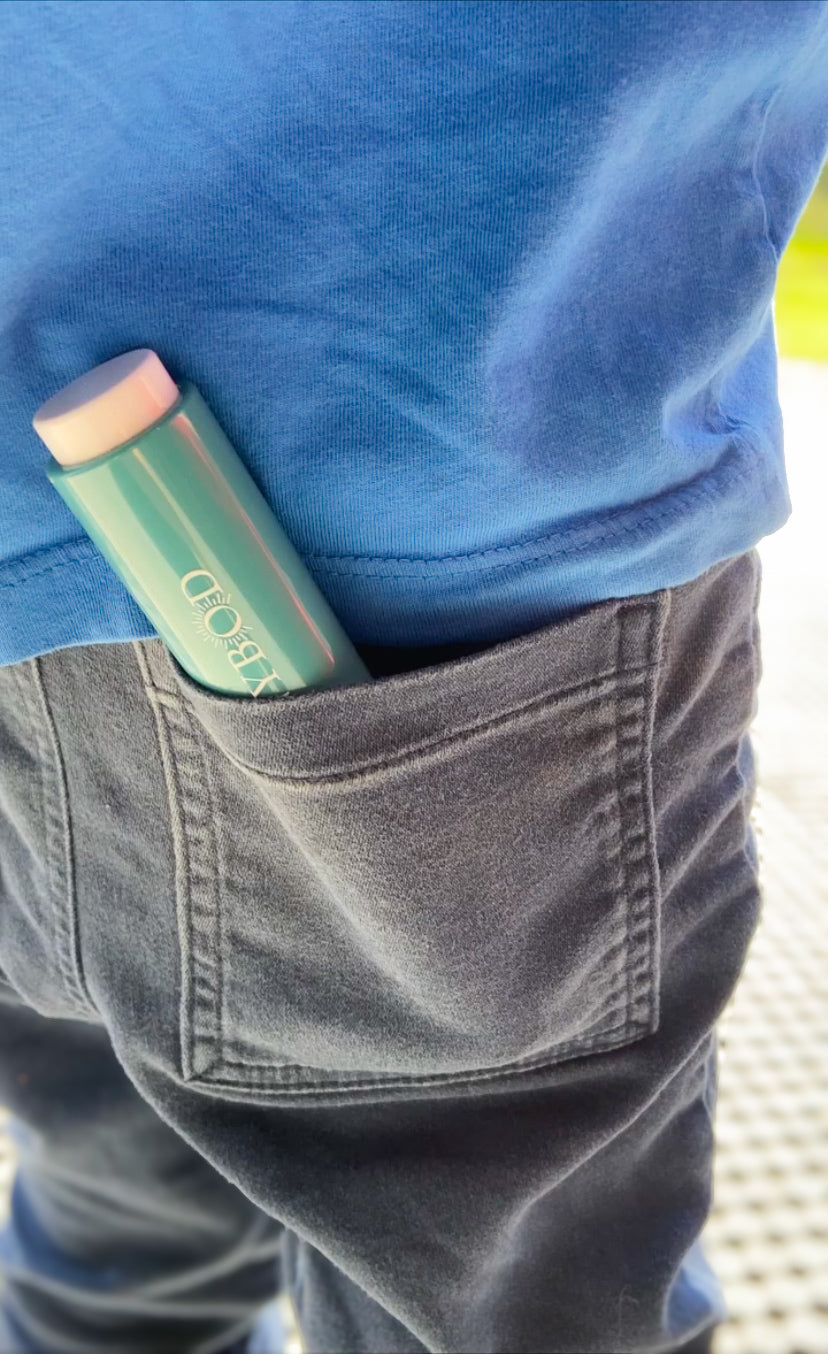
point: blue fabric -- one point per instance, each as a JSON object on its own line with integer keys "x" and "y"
{"x": 481, "y": 292}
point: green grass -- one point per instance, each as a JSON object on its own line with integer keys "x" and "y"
{"x": 801, "y": 300}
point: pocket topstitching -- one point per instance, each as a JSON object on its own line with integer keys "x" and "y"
{"x": 404, "y": 885}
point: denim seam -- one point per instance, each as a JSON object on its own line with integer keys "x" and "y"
{"x": 645, "y": 900}
{"x": 637, "y": 886}
{"x": 58, "y": 845}
{"x": 292, "y": 1078}
{"x": 594, "y": 689}
{"x": 194, "y": 1035}
{"x": 169, "y": 669}
{"x": 615, "y": 839}
{"x": 604, "y": 1041}
{"x": 637, "y": 893}
{"x": 65, "y": 897}
{"x": 180, "y": 849}
{"x": 202, "y": 898}
{"x": 606, "y": 1021}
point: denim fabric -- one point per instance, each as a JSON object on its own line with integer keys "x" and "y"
{"x": 403, "y": 994}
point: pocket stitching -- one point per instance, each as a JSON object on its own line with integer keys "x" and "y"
{"x": 638, "y": 885}
{"x": 560, "y": 1053}
{"x": 200, "y": 960}
{"x": 416, "y": 753}
{"x": 641, "y": 883}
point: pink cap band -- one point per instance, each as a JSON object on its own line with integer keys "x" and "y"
{"x": 109, "y": 405}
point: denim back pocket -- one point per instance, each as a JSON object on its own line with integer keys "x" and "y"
{"x": 447, "y": 876}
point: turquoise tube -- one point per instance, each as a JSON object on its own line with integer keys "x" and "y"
{"x": 182, "y": 523}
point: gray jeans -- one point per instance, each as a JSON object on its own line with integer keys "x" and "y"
{"x": 402, "y": 996}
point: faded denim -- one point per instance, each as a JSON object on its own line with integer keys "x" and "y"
{"x": 402, "y": 995}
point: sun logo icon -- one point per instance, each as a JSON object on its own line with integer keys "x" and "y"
{"x": 216, "y": 619}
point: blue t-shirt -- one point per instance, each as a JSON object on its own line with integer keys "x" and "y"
{"x": 480, "y": 292}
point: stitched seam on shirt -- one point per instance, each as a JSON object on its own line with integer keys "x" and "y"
{"x": 563, "y": 540}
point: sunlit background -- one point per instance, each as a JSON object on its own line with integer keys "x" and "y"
{"x": 767, "y": 1236}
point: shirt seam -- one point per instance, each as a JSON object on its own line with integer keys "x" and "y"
{"x": 562, "y": 540}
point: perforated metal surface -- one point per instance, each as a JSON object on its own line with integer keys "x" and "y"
{"x": 767, "y": 1235}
